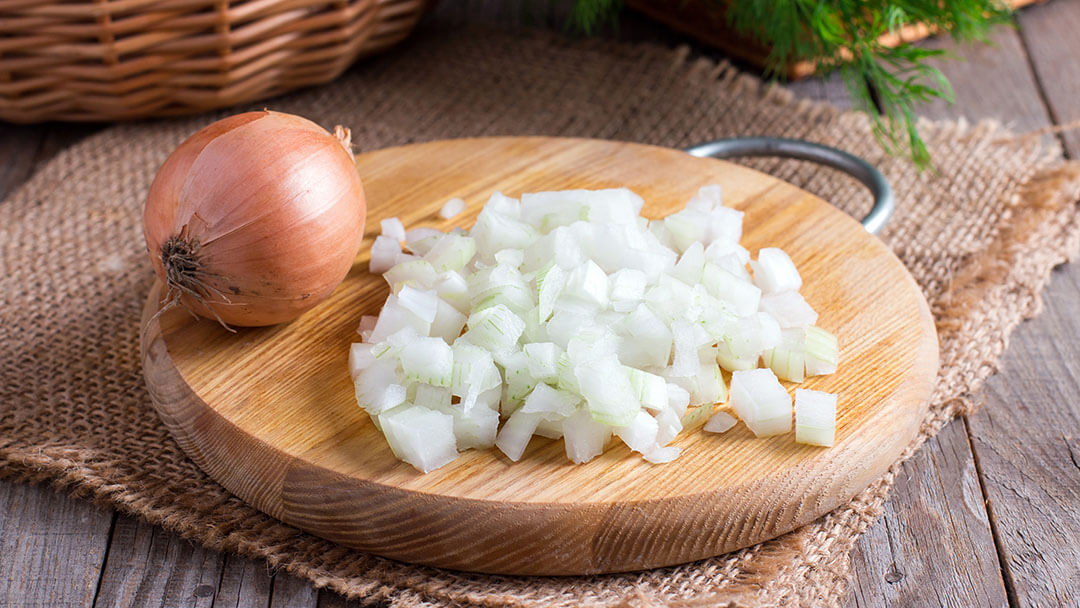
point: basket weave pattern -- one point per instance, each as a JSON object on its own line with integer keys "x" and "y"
{"x": 121, "y": 59}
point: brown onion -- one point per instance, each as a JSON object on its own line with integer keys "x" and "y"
{"x": 256, "y": 218}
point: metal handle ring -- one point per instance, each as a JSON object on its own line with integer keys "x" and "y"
{"x": 884, "y": 200}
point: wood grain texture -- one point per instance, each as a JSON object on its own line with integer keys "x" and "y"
{"x": 1049, "y": 36}
{"x": 51, "y": 547}
{"x": 894, "y": 564}
{"x": 291, "y": 592}
{"x": 1027, "y": 441}
{"x": 270, "y": 412}
{"x": 149, "y": 567}
{"x": 933, "y": 545}
{"x": 1039, "y": 566}
{"x": 991, "y": 81}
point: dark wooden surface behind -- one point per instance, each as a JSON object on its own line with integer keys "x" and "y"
{"x": 986, "y": 514}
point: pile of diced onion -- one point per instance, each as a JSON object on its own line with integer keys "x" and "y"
{"x": 567, "y": 315}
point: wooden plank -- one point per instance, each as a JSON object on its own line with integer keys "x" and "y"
{"x": 245, "y": 583}
{"x": 933, "y": 546}
{"x": 148, "y": 566}
{"x": 1049, "y": 33}
{"x": 329, "y": 599}
{"x": 893, "y": 563}
{"x": 1027, "y": 440}
{"x": 292, "y": 592}
{"x": 1027, "y": 436}
{"x": 991, "y": 81}
{"x": 51, "y": 547}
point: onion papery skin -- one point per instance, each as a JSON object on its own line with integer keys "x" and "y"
{"x": 256, "y": 218}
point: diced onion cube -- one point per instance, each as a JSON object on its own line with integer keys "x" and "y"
{"x": 822, "y": 352}
{"x": 542, "y": 359}
{"x": 789, "y": 309}
{"x": 385, "y": 252}
{"x": 496, "y": 328}
{"x": 815, "y": 417}
{"x": 659, "y": 455}
{"x": 788, "y": 359}
{"x": 775, "y": 272}
{"x": 360, "y": 358}
{"x": 428, "y": 360}
{"x": 584, "y": 437}
{"x": 550, "y": 402}
{"x": 452, "y": 208}
{"x": 421, "y": 437}
{"x": 761, "y": 401}
{"x": 640, "y": 434}
{"x": 423, "y": 304}
{"x": 627, "y": 289}
{"x": 720, "y": 422}
{"x": 607, "y": 391}
{"x": 393, "y": 228}
{"x": 514, "y": 436}
{"x": 451, "y": 252}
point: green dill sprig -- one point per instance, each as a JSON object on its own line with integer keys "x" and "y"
{"x": 887, "y": 83}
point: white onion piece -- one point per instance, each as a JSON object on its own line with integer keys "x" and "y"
{"x": 360, "y": 358}
{"x": 479, "y": 427}
{"x": 423, "y": 304}
{"x": 393, "y": 228}
{"x": 775, "y": 272}
{"x": 721, "y": 422}
{"x": 668, "y": 424}
{"x": 815, "y": 417}
{"x": 421, "y": 437}
{"x": 822, "y": 352}
{"x": 761, "y": 402}
{"x": 385, "y": 252}
{"x": 550, "y": 402}
{"x": 567, "y": 315}
{"x": 514, "y": 436}
{"x": 542, "y": 359}
{"x": 452, "y": 208}
{"x": 640, "y": 434}
{"x": 788, "y": 359}
{"x": 550, "y": 429}
{"x": 789, "y": 309}
{"x": 584, "y": 437}
{"x": 659, "y": 455}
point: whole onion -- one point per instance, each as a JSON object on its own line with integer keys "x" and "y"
{"x": 256, "y": 218}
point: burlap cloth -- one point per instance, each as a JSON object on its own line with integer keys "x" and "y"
{"x": 980, "y": 235}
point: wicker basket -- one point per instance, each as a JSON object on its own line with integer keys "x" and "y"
{"x": 120, "y": 59}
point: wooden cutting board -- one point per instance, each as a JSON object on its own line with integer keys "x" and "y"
{"x": 270, "y": 412}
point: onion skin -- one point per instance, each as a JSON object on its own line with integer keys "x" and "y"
{"x": 256, "y": 218}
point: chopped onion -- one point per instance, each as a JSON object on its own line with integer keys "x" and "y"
{"x": 393, "y": 228}
{"x": 761, "y": 401}
{"x": 421, "y": 437}
{"x": 721, "y": 422}
{"x": 453, "y": 208}
{"x": 815, "y": 417}
{"x": 775, "y": 272}
{"x": 567, "y": 315}
{"x": 822, "y": 352}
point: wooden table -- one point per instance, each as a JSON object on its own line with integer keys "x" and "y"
{"x": 986, "y": 514}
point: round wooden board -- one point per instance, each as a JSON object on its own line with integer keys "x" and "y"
{"x": 270, "y": 412}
